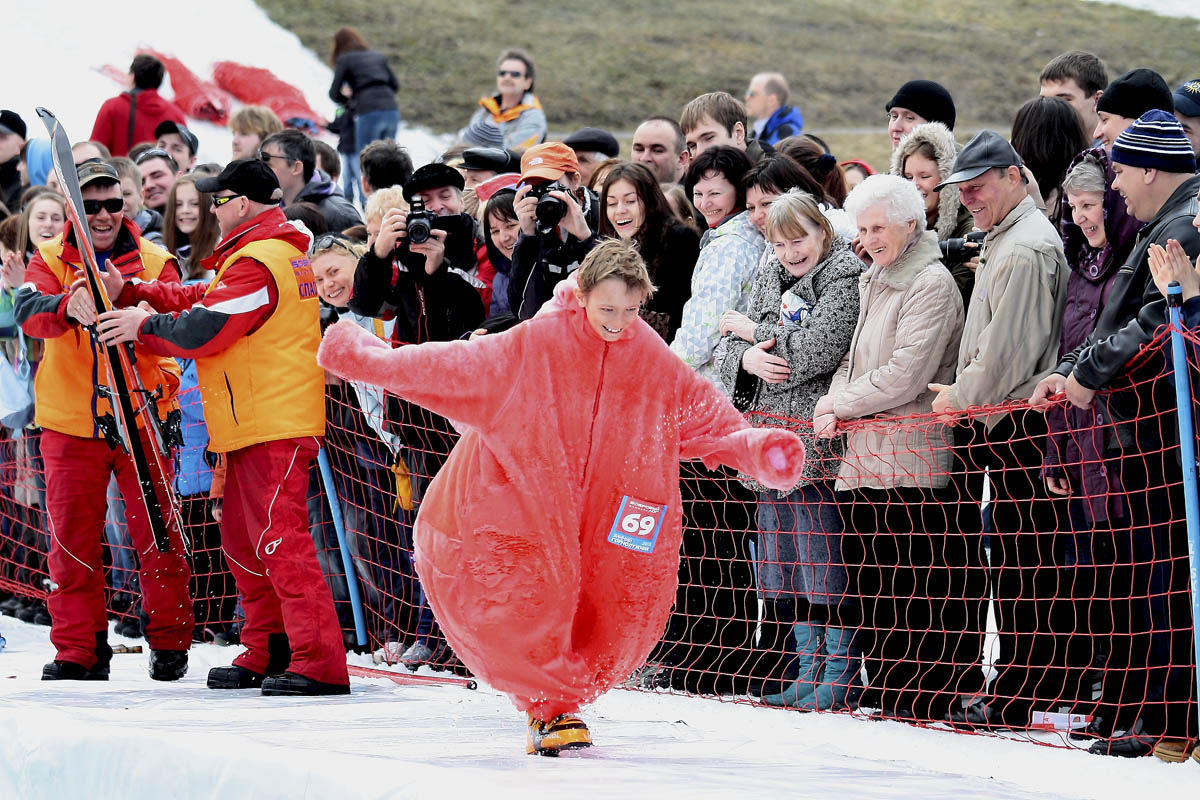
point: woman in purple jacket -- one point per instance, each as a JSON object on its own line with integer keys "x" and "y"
{"x": 1083, "y": 463}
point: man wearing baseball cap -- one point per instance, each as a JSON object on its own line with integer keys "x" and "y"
{"x": 54, "y": 305}
{"x": 558, "y": 216}
{"x": 592, "y": 147}
{"x": 254, "y": 332}
{"x": 180, "y": 142}
{"x": 1154, "y": 167}
{"x": 12, "y": 139}
{"x": 1187, "y": 111}
{"x": 1010, "y": 341}
{"x": 480, "y": 164}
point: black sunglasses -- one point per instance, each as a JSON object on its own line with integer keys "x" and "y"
{"x": 266, "y": 157}
{"x": 509, "y": 73}
{"x": 112, "y": 205}
{"x": 220, "y": 201}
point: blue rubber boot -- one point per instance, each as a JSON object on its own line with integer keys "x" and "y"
{"x": 810, "y": 659}
{"x": 841, "y": 684}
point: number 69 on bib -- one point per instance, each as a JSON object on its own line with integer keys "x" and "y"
{"x": 637, "y": 524}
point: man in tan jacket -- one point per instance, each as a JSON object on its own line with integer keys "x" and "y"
{"x": 1010, "y": 341}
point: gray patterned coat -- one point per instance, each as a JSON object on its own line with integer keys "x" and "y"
{"x": 812, "y": 349}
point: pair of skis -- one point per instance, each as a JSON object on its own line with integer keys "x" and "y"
{"x": 130, "y": 400}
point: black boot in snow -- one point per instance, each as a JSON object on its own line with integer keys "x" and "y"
{"x": 235, "y": 677}
{"x": 292, "y": 684}
{"x": 168, "y": 665}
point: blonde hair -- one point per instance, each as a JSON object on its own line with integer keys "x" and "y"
{"x": 255, "y": 119}
{"x": 381, "y": 200}
{"x": 615, "y": 258}
{"x": 785, "y": 215}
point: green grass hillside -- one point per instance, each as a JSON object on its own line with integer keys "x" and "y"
{"x": 613, "y": 63}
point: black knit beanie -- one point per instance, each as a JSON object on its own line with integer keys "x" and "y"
{"x": 927, "y": 98}
{"x": 1135, "y": 93}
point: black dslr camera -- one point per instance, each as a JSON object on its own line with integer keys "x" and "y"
{"x": 960, "y": 251}
{"x": 550, "y": 210}
{"x": 419, "y": 222}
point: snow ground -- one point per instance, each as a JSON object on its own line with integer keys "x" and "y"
{"x": 86, "y": 35}
{"x": 132, "y": 738}
{"x": 1167, "y": 8}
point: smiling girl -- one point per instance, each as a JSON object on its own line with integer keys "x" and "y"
{"x": 636, "y": 209}
{"x": 190, "y": 228}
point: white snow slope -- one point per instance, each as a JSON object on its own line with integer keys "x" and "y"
{"x": 55, "y": 48}
{"x": 132, "y": 738}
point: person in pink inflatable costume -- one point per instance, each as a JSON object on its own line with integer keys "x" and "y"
{"x": 548, "y": 544}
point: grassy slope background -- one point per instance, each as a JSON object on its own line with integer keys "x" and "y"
{"x": 611, "y": 63}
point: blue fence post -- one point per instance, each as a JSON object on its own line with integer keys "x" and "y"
{"x": 1187, "y": 452}
{"x": 335, "y": 507}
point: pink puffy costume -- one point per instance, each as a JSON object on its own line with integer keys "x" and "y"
{"x": 513, "y": 536}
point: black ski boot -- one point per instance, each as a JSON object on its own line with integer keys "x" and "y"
{"x": 291, "y": 684}
{"x": 70, "y": 671}
{"x": 168, "y": 665}
{"x": 235, "y": 677}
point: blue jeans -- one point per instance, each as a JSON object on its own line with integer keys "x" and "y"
{"x": 375, "y": 125}
{"x": 351, "y": 173}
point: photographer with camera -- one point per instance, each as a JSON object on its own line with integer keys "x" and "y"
{"x": 419, "y": 268}
{"x": 558, "y": 219}
{"x": 414, "y": 274}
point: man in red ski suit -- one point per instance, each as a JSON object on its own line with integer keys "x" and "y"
{"x": 54, "y": 305}
{"x": 253, "y": 332}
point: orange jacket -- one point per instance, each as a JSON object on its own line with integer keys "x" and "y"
{"x": 548, "y": 544}
{"x": 65, "y": 386}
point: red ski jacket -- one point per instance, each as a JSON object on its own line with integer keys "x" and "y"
{"x": 112, "y": 121}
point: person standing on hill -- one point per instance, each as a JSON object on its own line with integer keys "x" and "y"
{"x": 364, "y": 83}
{"x": 766, "y": 101}
{"x": 514, "y": 108}
{"x": 132, "y": 116}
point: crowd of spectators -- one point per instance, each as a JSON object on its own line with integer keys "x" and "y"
{"x": 916, "y": 321}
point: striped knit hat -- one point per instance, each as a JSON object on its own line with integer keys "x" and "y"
{"x": 1155, "y": 141}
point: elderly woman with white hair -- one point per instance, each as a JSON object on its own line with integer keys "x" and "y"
{"x": 897, "y": 457}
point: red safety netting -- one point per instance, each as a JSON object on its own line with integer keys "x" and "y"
{"x": 932, "y": 568}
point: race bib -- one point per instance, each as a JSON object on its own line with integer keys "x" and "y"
{"x": 793, "y": 309}
{"x": 637, "y": 525}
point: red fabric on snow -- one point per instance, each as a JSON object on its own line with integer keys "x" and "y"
{"x": 197, "y": 97}
{"x": 257, "y": 86}
{"x": 512, "y": 538}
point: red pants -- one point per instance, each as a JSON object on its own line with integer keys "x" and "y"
{"x": 77, "y": 474}
{"x": 266, "y": 538}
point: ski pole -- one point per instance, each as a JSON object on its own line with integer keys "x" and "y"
{"x": 1187, "y": 450}
{"x": 335, "y": 507}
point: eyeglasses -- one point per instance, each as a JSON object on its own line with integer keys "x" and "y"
{"x": 220, "y": 201}
{"x": 266, "y": 157}
{"x": 112, "y": 205}
{"x": 509, "y": 73}
{"x": 157, "y": 152}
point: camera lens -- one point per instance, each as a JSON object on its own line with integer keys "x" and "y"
{"x": 550, "y": 211}
{"x": 418, "y": 231}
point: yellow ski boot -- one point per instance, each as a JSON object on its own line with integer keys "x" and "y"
{"x": 564, "y": 732}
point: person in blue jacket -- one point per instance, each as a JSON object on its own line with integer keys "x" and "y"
{"x": 766, "y": 104}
